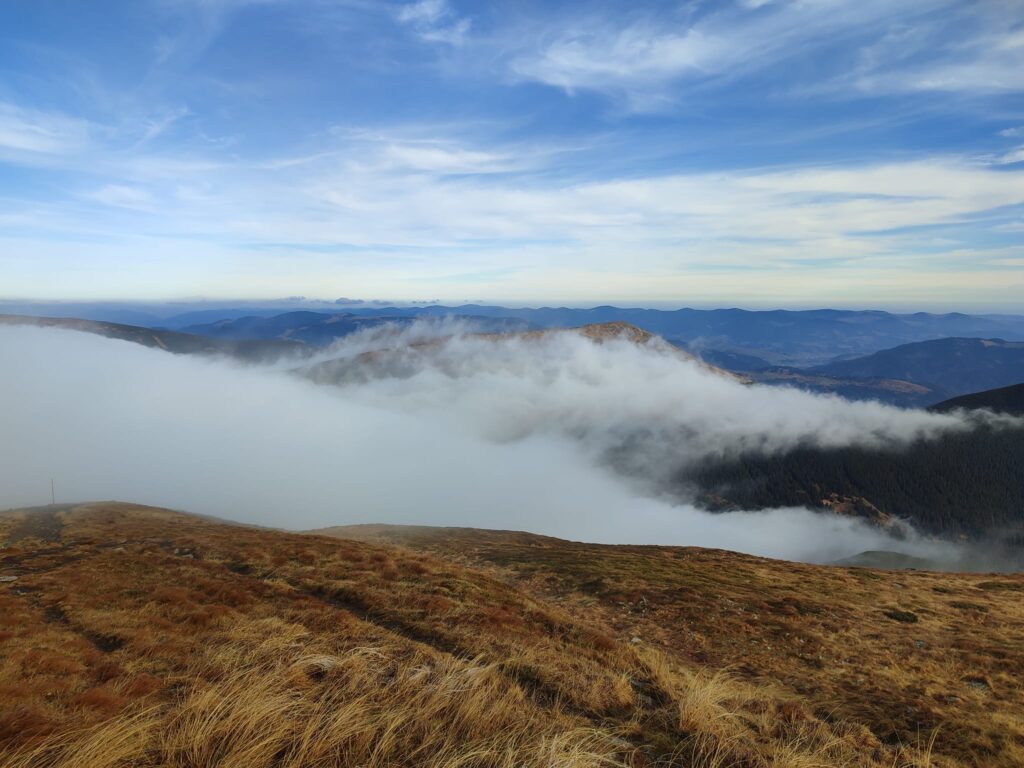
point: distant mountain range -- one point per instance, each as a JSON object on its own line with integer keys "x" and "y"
{"x": 738, "y": 339}
{"x": 320, "y": 328}
{"x": 911, "y": 375}
{"x": 776, "y": 337}
{"x": 915, "y": 374}
{"x": 250, "y": 350}
{"x": 892, "y": 391}
{"x": 956, "y": 365}
{"x": 832, "y": 351}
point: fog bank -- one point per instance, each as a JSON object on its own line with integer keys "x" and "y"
{"x": 559, "y": 436}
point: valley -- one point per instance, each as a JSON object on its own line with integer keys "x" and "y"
{"x": 960, "y": 486}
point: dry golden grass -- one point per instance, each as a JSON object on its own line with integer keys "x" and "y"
{"x": 823, "y": 637}
{"x": 273, "y": 705}
{"x": 142, "y": 637}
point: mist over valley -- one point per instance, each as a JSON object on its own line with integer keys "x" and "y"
{"x": 605, "y": 434}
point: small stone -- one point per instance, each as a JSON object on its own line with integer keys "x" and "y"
{"x": 978, "y": 684}
{"x": 635, "y": 640}
{"x": 7, "y": 579}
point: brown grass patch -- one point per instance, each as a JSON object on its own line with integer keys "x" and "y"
{"x": 149, "y": 638}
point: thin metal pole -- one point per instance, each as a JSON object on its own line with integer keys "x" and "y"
{"x": 53, "y": 496}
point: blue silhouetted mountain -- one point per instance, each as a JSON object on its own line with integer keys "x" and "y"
{"x": 948, "y": 367}
{"x": 1008, "y": 400}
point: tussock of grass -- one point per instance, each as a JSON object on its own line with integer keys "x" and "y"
{"x": 273, "y": 706}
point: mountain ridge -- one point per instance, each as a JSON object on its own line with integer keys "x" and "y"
{"x": 1006, "y": 400}
{"x": 949, "y": 367}
{"x": 175, "y": 342}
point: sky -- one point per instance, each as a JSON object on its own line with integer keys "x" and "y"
{"x": 754, "y": 153}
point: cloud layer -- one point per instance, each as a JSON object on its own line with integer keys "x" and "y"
{"x": 499, "y": 435}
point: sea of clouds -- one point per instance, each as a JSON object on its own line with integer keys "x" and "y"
{"x": 553, "y": 434}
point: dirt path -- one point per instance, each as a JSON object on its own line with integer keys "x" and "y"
{"x": 41, "y": 523}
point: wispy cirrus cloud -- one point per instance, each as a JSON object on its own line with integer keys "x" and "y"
{"x": 27, "y": 132}
{"x": 1015, "y": 155}
{"x": 443, "y": 207}
{"x": 123, "y": 196}
{"x": 847, "y": 48}
{"x": 435, "y": 21}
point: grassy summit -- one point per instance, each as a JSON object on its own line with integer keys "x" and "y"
{"x": 134, "y": 636}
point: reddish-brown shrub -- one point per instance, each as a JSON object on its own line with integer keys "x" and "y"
{"x": 415, "y": 567}
{"x": 171, "y": 595}
{"x": 50, "y": 663}
{"x": 24, "y": 724}
{"x": 436, "y": 604}
{"x": 601, "y": 641}
{"x": 142, "y": 685}
{"x": 107, "y": 670}
{"x": 101, "y": 698}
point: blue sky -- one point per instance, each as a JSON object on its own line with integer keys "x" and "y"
{"x": 752, "y": 153}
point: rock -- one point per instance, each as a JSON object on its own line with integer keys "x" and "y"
{"x": 635, "y": 640}
{"x": 979, "y": 684}
{"x": 7, "y": 579}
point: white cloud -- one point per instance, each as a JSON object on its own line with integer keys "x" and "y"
{"x": 157, "y": 125}
{"x": 821, "y": 205}
{"x": 201, "y": 22}
{"x": 437, "y": 158}
{"x": 424, "y": 11}
{"x": 1013, "y": 156}
{"x": 121, "y": 196}
{"x": 636, "y": 57}
{"x": 24, "y": 130}
{"x": 915, "y": 46}
{"x": 644, "y": 58}
{"x": 390, "y": 208}
{"x": 512, "y": 436}
{"x": 435, "y": 21}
